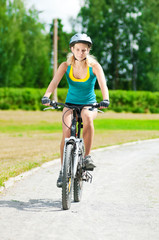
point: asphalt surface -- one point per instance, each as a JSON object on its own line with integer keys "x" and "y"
{"x": 122, "y": 202}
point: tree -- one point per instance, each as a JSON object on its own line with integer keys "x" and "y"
{"x": 151, "y": 33}
{"x": 36, "y": 60}
{"x": 24, "y": 47}
{"x": 122, "y": 43}
{"x": 12, "y": 46}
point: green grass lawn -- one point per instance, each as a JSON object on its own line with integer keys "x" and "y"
{"x": 126, "y": 124}
{"x": 28, "y": 139}
{"x": 100, "y": 124}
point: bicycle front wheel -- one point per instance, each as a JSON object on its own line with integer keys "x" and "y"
{"x": 67, "y": 178}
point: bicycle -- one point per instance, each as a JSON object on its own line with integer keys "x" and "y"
{"x": 74, "y": 173}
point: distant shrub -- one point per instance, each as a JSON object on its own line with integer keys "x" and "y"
{"x": 134, "y": 101}
{"x": 120, "y": 100}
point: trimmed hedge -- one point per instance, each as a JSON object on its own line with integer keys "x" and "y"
{"x": 128, "y": 101}
{"x": 134, "y": 101}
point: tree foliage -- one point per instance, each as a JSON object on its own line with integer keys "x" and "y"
{"x": 24, "y": 47}
{"x": 125, "y": 35}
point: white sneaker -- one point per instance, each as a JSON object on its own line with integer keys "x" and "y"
{"x": 88, "y": 163}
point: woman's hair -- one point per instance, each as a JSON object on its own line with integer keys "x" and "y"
{"x": 90, "y": 60}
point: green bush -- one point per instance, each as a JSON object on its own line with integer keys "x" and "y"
{"x": 134, "y": 101}
{"x": 127, "y": 101}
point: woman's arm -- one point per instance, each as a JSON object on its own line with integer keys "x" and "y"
{"x": 98, "y": 71}
{"x": 56, "y": 79}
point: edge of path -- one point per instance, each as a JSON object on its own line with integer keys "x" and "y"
{"x": 10, "y": 182}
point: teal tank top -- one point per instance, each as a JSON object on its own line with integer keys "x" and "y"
{"x": 81, "y": 91}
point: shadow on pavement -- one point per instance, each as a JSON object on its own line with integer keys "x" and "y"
{"x": 33, "y": 205}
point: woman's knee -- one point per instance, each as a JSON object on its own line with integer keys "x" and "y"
{"x": 87, "y": 119}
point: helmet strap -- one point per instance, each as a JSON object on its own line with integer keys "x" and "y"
{"x": 78, "y": 60}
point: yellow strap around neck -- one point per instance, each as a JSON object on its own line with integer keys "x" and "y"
{"x": 79, "y": 80}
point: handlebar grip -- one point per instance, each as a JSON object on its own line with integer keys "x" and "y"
{"x": 96, "y": 105}
{"x": 53, "y": 103}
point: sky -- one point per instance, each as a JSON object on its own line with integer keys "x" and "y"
{"x": 63, "y": 9}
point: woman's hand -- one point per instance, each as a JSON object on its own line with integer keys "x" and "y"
{"x": 45, "y": 101}
{"x": 104, "y": 104}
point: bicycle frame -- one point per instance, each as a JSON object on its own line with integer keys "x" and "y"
{"x": 75, "y": 139}
{"x": 76, "y": 118}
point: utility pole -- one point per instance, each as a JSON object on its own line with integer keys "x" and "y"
{"x": 55, "y": 50}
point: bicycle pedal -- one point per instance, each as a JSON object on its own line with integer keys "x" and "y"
{"x": 87, "y": 177}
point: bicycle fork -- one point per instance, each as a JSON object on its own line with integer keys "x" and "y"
{"x": 77, "y": 145}
{"x": 75, "y": 142}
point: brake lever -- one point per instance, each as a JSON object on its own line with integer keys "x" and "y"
{"x": 99, "y": 111}
{"x": 51, "y": 108}
{"x": 92, "y": 109}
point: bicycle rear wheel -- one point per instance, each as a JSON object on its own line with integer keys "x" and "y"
{"x": 78, "y": 187}
{"x": 67, "y": 178}
{"x": 78, "y": 181}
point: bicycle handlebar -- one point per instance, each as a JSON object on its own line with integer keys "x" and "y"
{"x": 54, "y": 105}
{"x": 95, "y": 105}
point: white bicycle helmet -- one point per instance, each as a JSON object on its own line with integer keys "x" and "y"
{"x": 80, "y": 38}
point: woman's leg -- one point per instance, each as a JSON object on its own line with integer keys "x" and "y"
{"x": 88, "y": 129}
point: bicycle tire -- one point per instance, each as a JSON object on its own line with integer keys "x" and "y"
{"x": 67, "y": 178}
{"x": 78, "y": 187}
{"x": 78, "y": 181}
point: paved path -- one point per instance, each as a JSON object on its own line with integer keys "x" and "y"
{"x": 122, "y": 203}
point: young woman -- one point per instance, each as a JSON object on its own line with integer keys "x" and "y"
{"x": 81, "y": 70}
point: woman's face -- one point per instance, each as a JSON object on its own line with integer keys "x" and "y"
{"x": 80, "y": 51}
